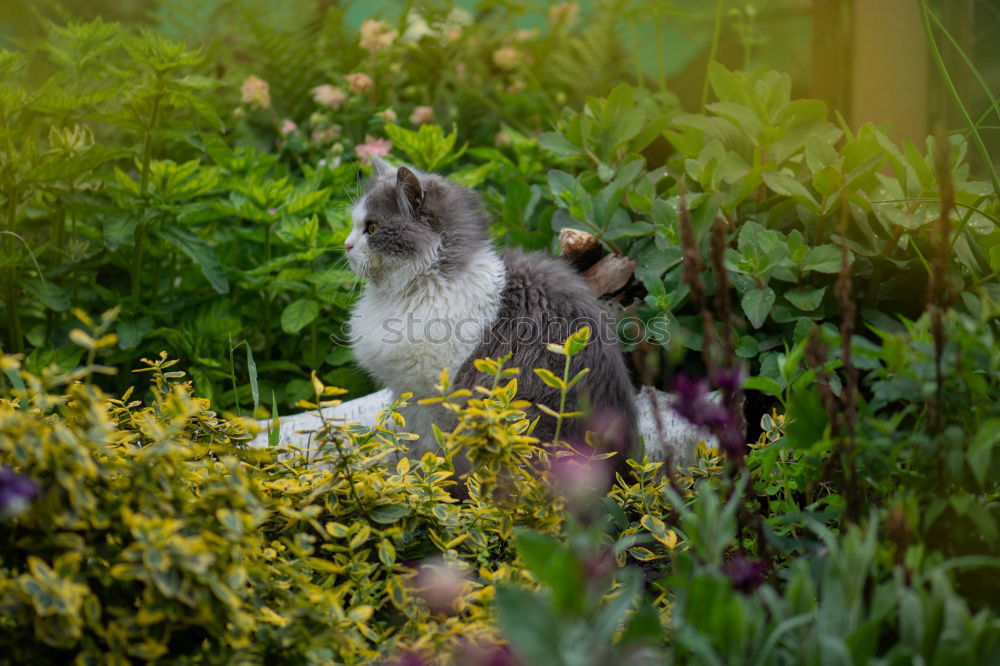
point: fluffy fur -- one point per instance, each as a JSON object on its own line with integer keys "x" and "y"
{"x": 438, "y": 295}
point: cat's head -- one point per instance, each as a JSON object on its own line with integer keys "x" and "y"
{"x": 409, "y": 223}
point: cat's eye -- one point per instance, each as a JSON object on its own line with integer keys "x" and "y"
{"x": 371, "y": 227}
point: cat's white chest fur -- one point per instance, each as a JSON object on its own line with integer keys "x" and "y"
{"x": 404, "y": 337}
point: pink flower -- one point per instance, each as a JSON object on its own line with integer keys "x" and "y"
{"x": 376, "y": 35}
{"x": 524, "y": 34}
{"x": 507, "y": 57}
{"x": 564, "y": 13}
{"x": 388, "y": 116}
{"x": 577, "y": 476}
{"x": 452, "y": 34}
{"x": 287, "y": 127}
{"x": 358, "y": 82}
{"x": 440, "y": 583}
{"x": 322, "y": 137}
{"x": 256, "y": 92}
{"x": 516, "y": 86}
{"x": 327, "y": 95}
{"x": 372, "y": 146}
{"x": 422, "y": 115}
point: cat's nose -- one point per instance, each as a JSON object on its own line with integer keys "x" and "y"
{"x": 348, "y": 246}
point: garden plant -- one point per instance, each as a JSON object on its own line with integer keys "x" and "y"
{"x": 175, "y": 192}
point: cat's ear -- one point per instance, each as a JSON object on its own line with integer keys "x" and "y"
{"x": 380, "y": 168}
{"x": 409, "y": 188}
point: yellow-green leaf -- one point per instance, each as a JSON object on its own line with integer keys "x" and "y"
{"x": 550, "y": 379}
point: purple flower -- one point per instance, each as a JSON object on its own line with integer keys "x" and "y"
{"x": 16, "y": 492}
{"x": 474, "y": 654}
{"x": 731, "y": 441}
{"x": 694, "y": 404}
{"x": 729, "y": 380}
{"x": 746, "y": 576}
{"x": 578, "y": 477}
{"x": 410, "y": 659}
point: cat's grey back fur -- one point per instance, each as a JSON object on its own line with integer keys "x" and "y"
{"x": 544, "y": 301}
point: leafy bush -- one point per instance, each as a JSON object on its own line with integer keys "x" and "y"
{"x": 198, "y": 184}
{"x": 151, "y": 532}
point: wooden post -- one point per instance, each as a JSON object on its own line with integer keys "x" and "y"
{"x": 889, "y": 68}
{"x": 831, "y": 59}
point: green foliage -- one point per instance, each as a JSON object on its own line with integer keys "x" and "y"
{"x": 157, "y": 534}
{"x": 785, "y": 181}
{"x": 196, "y": 180}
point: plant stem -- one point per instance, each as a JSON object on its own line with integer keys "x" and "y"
{"x": 232, "y": 376}
{"x": 712, "y": 52}
{"x": 11, "y": 282}
{"x": 562, "y": 399}
{"x": 147, "y": 155}
{"x": 314, "y": 331}
{"x": 661, "y": 68}
{"x": 956, "y": 98}
{"x": 267, "y": 297}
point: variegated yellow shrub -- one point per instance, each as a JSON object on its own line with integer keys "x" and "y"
{"x": 156, "y": 534}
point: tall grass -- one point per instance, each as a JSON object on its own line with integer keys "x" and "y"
{"x": 927, "y": 16}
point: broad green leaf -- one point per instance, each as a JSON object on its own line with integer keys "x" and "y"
{"x": 764, "y": 385}
{"x": 783, "y": 184}
{"x": 806, "y": 298}
{"x": 822, "y": 259}
{"x": 757, "y": 304}
{"x": 550, "y": 379}
{"x": 49, "y": 293}
{"x": 200, "y": 253}
{"x": 576, "y": 342}
{"x": 299, "y": 314}
{"x": 131, "y": 331}
{"x": 557, "y": 143}
{"x": 119, "y": 227}
{"x": 390, "y": 513}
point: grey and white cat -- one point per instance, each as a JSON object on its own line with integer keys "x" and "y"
{"x": 439, "y": 295}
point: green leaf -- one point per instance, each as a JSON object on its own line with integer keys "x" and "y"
{"x": 577, "y": 341}
{"x": 643, "y": 554}
{"x": 131, "y": 331}
{"x": 826, "y": 181}
{"x": 119, "y": 227}
{"x": 764, "y": 385}
{"x": 554, "y": 564}
{"x": 252, "y": 372}
{"x": 820, "y": 154}
{"x": 299, "y": 314}
{"x": 822, "y": 259}
{"x": 558, "y": 144}
{"x": 550, "y": 379}
{"x": 274, "y": 430}
{"x": 200, "y": 253}
{"x": 783, "y": 184}
{"x": 386, "y": 552}
{"x": 49, "y": 293}
{"x": 806, "y": 298}
{"x": 428, "y": 148}
{"x": 757, "y": 304}
{"x": 307, "y": 202}
{"x": 981, "y": 451}
{"x": 390, "y": 513}
{"x": 529, "y": 624}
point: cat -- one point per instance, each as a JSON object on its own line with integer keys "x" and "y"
{"x": 438, "y": 295}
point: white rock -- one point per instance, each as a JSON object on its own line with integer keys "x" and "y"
{"x": 665, "y": 433}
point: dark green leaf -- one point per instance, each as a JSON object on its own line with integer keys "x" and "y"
{"x": 200, "y": 253}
